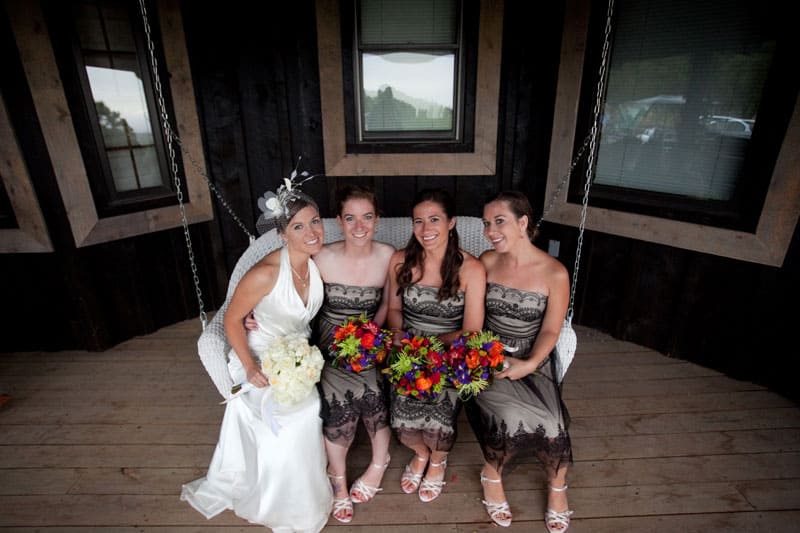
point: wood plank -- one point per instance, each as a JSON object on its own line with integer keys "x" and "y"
{"x": 461, "y": 477}
{"x": 396, "y": 509}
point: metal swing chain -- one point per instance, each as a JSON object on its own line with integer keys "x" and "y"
{"x": 167, "y": 129}
{"x": 592, "y": 152}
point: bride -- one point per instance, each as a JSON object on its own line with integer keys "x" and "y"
{"x": 269, "y": 463}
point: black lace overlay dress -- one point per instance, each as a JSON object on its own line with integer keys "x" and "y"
{"x": 348, "y": 396}
{"x": 432, "y": 422}
{"x": 514, "y": 420}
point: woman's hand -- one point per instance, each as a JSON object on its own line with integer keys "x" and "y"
{"x": 517, "y": 369}
{"x": 397, "y": 336}
{"x": 257, "y": 377}
{"x": 250, "y": 323}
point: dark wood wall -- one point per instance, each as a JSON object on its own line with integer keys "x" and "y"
{"x": 256, "y": 76}
{"x": 97, "y": 296}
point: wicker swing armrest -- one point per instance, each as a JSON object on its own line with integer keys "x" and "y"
{"x": 213, "y": 347}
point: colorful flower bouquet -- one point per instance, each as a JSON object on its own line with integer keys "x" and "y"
{"x": 359, "y": 344}
{"x": 417, "y": 367}
{"x": 472, "y": 359}
{"x": 293, "y": 368}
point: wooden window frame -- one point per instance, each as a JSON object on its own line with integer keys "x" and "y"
{"x": 41, "y": 71}
{"x": 30, "y": 235}
{"x": 481, "y": 160}
{"x": 458, "y": 139}
{"x": 775, "y": 227}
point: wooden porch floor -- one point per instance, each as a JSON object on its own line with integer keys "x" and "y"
{"x": 103, "y": 442}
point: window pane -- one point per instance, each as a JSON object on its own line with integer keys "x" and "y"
{"x": 123, "y": 170}
{"x": 120, "y": 101}
{"x": 682, "y": 97}
{"x": 146, "y": 160}
{"x": 408, "y": 22}
{"x": 406, "y": 91}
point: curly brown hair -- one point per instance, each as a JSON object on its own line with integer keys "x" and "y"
{"x": 414, "y": 253}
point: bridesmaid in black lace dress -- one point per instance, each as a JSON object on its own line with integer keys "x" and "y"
{"x": 354, "y": 272}
{"x": 522, "y": 415}
{"x": 435, "y": 289}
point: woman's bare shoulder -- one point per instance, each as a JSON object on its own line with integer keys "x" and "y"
{"x": 398, "y": 256}
{"x": 473, "y": 268}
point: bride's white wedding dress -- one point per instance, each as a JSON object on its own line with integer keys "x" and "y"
{"x": 275, "y": 480}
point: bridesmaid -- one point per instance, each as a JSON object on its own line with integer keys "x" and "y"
{"x": 354, "y": 271}
{"x": 435, "y": 288}
{"x": 521, "y": 414}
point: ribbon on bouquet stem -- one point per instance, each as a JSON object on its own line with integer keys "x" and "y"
{"x": 267, "y": 404}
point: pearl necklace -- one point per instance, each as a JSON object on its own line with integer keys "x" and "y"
{"x": 300, "y": 278}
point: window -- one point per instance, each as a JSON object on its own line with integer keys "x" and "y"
{"x": 111, "y": 94}
{"x": 104, "y": 204}
{"x": 700, "y": 108}
{"x": 409, "y": 74}
{"x": 409, "y": 88}
{"x": 678, "y": 120}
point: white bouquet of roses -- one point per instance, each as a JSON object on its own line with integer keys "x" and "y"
{"x": 293, "y": 368}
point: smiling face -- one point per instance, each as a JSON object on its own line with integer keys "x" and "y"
{"x": 431, "y": 224}
{"x": 501, "y": 227}
{"x": 305, "y": 231}
{"x": 357, "y": 220}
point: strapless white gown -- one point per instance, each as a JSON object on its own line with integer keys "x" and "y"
{"x": 278, "y": 481}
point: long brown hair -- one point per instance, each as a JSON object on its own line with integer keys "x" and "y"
{"x": 414, "y": 253}
{"x": 519, "y": 205}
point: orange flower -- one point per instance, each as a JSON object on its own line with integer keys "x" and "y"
{"x": 423, "y": 384}
{"x": 473, "y": 358}
{"x": 368, "y": 341}
{"x": 344, "y": 331}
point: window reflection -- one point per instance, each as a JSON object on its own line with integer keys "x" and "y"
{"x": 680, "y": 111}
{"x": 408, "y": 91}
{"x": 115, "y": 81}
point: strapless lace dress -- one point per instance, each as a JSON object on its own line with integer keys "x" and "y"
{"x": 514, "y": 420}
{"x": 432, "y": 422}
{"x": 348, "y": 396}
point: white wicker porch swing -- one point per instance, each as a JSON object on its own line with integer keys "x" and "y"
{"x": 212, "y": 345}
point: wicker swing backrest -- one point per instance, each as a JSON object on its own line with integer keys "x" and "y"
{"x": 213, "y": 347}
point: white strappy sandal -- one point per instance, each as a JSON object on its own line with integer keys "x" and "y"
{"x": 497, "y": 510}
{"x": 410, "y": 477}
{"x": 433, "y": 487}
{"x": 367, "y": 492}
{"x": 341, "y": 505}
{"x": 557, "y": 521}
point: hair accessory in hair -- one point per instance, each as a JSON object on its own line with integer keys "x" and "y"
{"x": 276, "y": 204}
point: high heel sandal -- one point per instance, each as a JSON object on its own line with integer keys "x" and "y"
{"x": 410, "y": 477}
{"x": 341, "y": 504}
{"x": 366, "y": 491}
{"x": 557, "y": 521}
{"x": 496, "y": 510}
{"x": 434, "y": 487}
